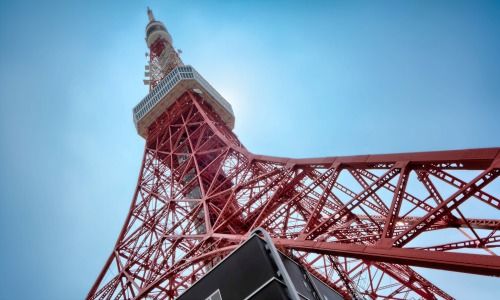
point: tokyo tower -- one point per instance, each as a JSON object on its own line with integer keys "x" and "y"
{"x": 360, "y": 224}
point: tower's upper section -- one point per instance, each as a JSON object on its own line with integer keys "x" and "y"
{"x": 163, "y": 58}
{"x": 168, "y": 79}
{"x": 156, "y": 30}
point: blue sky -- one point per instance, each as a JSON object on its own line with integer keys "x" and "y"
{"x": 305, "y": 79}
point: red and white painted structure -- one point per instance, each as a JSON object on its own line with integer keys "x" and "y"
{"x": 359, "y": 223}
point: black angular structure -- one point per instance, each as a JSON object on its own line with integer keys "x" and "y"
{"x": 257, "y": 271}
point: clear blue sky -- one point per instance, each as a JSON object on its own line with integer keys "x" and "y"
{"x": 305, "y": 79}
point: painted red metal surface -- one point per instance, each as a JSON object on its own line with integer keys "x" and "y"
{"x": 162, "y": 60}
{"x": 358, "y": 223}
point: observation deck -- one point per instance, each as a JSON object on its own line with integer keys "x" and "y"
{"x": 169, "y": 89}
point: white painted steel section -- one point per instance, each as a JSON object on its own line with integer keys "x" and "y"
{"x": 178, "y": 81}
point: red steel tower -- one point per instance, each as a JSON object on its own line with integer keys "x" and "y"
{"x": 358, "y": 223}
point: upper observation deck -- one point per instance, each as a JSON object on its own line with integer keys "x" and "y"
{"x": 169, "y": 89}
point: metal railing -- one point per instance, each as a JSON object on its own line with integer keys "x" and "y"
{"x": 168, "y": 83}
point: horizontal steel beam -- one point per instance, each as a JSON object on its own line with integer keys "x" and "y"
{"x": 490, "y": 224}
{"x": 450, "y": 261}
{"x": 467, "y": 159}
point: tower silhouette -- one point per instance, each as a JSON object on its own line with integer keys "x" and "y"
{"x": 358, "y": 223}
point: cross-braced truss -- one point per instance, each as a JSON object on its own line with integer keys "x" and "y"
{"x": 358, "y": 223}
{"x": 162, "y": 60}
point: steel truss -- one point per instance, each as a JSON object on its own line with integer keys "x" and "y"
{"x": 358, "y": 223}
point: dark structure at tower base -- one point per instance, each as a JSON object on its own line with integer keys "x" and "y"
{"x": 252, "y": 272}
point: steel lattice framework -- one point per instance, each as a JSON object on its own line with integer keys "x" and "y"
{"x": 358, "y": 223}
{"x": 350, "y": 220}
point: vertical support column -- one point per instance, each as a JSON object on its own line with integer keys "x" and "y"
{"x": 397, "y": 200}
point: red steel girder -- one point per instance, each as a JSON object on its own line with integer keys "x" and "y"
{"x": 459, "y": 262}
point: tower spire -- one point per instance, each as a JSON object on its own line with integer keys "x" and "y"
{"x": 150, "y": 15}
